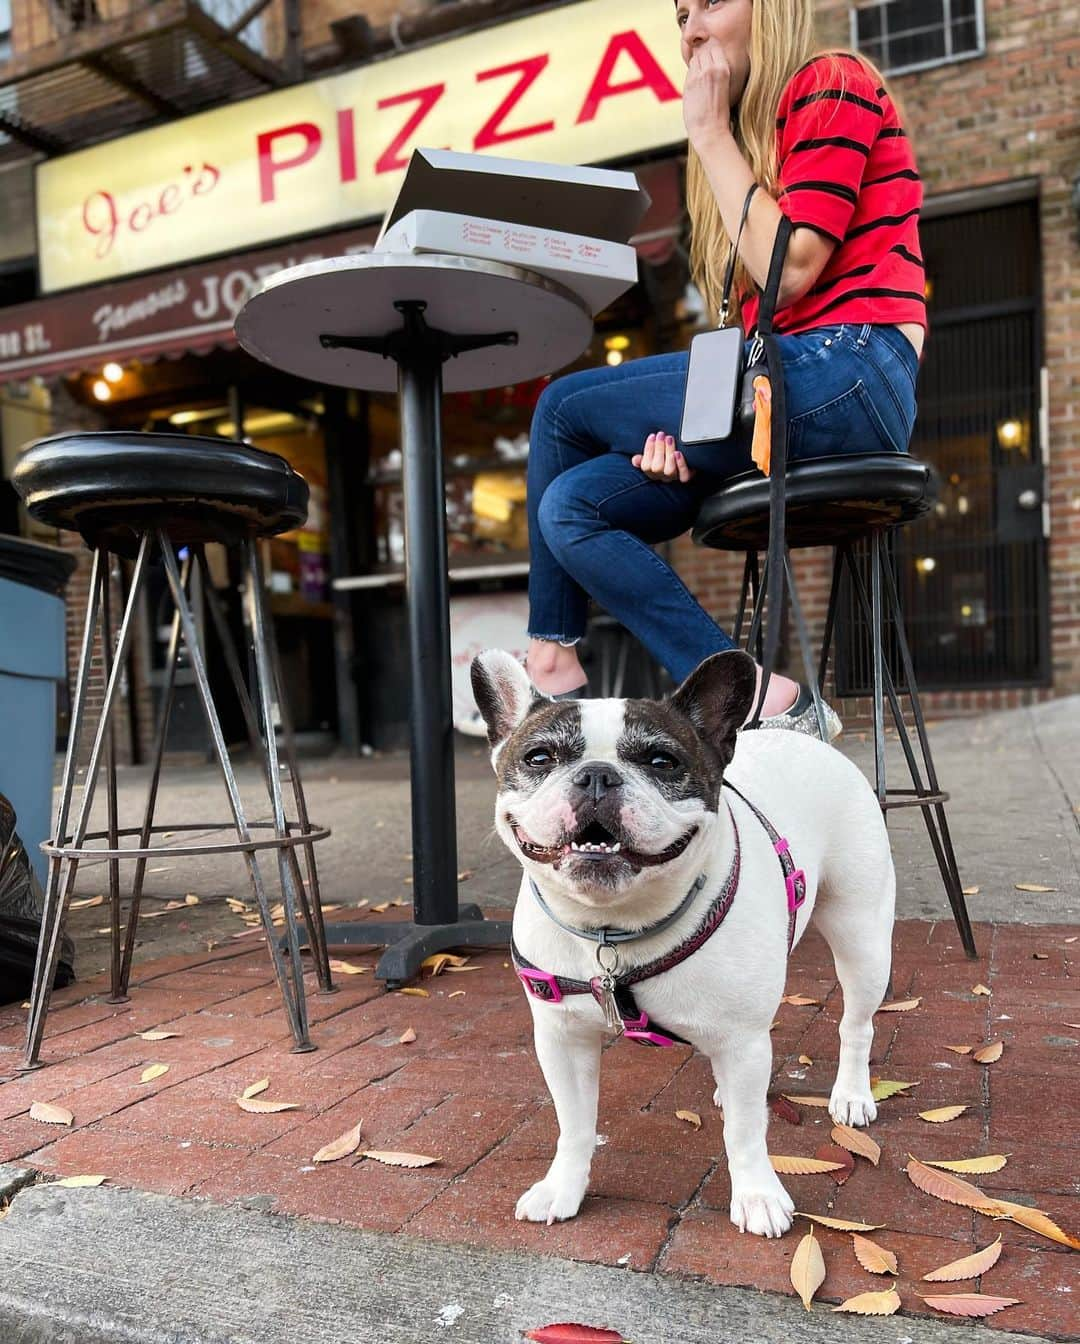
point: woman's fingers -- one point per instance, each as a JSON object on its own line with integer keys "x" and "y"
{"x": 660, "y": 460}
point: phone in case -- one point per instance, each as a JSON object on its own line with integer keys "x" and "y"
{"x": 713, "y": 381}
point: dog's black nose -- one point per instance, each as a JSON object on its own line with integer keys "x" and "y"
{"x": 596, "y": 777}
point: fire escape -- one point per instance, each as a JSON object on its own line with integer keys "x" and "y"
{"x": 75, "y": 72}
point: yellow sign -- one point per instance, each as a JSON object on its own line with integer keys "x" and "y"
{"x": 587, "y": 83}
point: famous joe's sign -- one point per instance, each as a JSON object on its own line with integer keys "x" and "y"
{"x": 586, "y": 83}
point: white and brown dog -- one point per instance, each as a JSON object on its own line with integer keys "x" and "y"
{"x": 670, "y": 863}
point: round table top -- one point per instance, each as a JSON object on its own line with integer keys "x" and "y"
{"x": 282, "y": 320}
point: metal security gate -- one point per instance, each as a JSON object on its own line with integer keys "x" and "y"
{"x": 973, "y": 575}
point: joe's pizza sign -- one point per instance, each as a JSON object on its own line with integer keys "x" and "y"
{"x": 586, "y": 83}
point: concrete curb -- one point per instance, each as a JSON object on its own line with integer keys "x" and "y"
{"x": 114, "y": 1266}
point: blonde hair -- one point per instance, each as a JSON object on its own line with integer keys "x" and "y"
{"x": 781, "y": 42}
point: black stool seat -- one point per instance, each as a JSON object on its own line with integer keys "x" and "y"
{"x": 109, "y": 485}
{"x": 829, "y": 500}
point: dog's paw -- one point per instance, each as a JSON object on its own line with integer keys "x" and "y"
{"x": 549, "y": 1202}
{"x": 765, "y": 1213}
{"x": 852, "y": 1108}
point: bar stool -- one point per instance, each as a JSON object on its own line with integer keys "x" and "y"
{"x": 148, "y": 496}
{"x": 843, "y": 502}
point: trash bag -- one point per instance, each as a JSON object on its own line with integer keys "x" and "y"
{"x": 21, "y": 904}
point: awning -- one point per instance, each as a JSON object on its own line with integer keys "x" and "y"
{"x": 659, "y": 232}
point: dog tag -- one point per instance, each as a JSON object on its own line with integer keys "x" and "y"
{"x": 604, "y": 987}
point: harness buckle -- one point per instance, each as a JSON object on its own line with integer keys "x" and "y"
{"x": 637, "y": 1029}
{"x": 540, "y": 985}
{"x": 796, "y": 889}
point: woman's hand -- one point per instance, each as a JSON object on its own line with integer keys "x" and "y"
{"x": 707, "y": 94}
{"x": 661, "y": 460}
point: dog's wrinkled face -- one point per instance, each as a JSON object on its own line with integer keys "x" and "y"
{"x": 602, "y": 796}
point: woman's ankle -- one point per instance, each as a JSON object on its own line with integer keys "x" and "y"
{"x": 781, "y": 695}
{"x": 553, "y": 668}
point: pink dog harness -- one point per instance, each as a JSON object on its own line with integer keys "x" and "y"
{"x": 615, "y": 990}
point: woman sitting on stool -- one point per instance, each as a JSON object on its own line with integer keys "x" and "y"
{"x": 607, "y": 478}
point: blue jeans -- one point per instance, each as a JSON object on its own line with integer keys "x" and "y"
{"x": 594, "y": 517}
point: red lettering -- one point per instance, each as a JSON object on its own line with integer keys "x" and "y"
{"x": 208, "y": 178}
{"x": 269, "y": 167}
{"x": 391, "y": 158}
{"x": 650, "y": 75}
{"x": 169, "y": 201}
{"x": 490, "y": 134}
{"x": 140, "y": 218}
{"x": 101, "y": 221}
{"x": 346, "y": 135}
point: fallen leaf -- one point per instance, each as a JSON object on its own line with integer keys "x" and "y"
{"x": 407, "y": 1036}
{"x": 255, "y": 1088}
{"x": 153, "y": 1071}
{"x": 806, "y": 1101}
{"x": 970, "y": 1267}
{"x": 167, "y": 869}
{"x": 465, "y": 874}
{"x": 960, "y": 1049}
{"x": 173, "y": 905}
{"x": 49, "y": 1114}
{"x": 805, "y": 1059}
{"x": 239, "y": 908}
{"x": 980, "y": 989}
{"x": 346, "y": 967}
{"x": 942, "y": 1114}
{"x": 81, "y": 1182}
{"x": 343, "y": 1146}
{"x": 401, "y": 1159}
{"x": 829, "y": 1152}
{"x": 944, "y": 1186}
{"x": 807, "y": 1268}
{"x": 416, "y": 993}
{"x": 85, "y": 902}
{"x": 802, "y": 1166}
{"x": 462, "y": 970}
{"x": 1033, "y": 1219}
{"x": 884, "y": 1303}
{"x": 258, "y": 1106}
{"x": 378, "y": 909}
{"x": 691, "y": 1118}
{"x": 799, "y": 1000}
{"x": 568, "y": 1332}
{"x": 148, "y": 914}
{"x": 855, "y": 1141}
{"x": 840, "y": 1224}
{"x": 970, "y": 1304}
{"x": 456, "y": 994}
{"x": 900, "y": 1005}
{"x": 970, "y": 891}
{"x": 881, "y": 1089}
{"x": 989, "y": 1054}
{"x": 1040, "y": 956}
{"x": 191, "y": 899}
{"x": 156, "y": 1035}
{"x": 440, "y": 961}
{"x": 782, "y": 1107}
{"x": 1032, "y": 886}
{"x": 972, "y": 1165}
{"x": 873, "y": 1258}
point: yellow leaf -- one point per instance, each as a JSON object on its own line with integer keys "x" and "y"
{"x": 807, "y": 1268}
{"x": 455, "y": 994}
{"x": 191, "y": 899}
{"x": 841, "y": 1224}
{"x": 153, "y": 1071}
{"x": 973, "y": 1165}
{"x": 401, "y": 1159}
{"x": 378, "y": 909}
{"x": 343, "y": 1146}
{"x": 900, "y": 1005}
{"x": 970, "y": 891}
{"x": 156, "y": 1035}
{"x": 49, "y": 1114}
{"x": 691, "y": 1118}
{"x": 960, "y": 1049}
{"x": 970, "y": 1304}
{"x": 1033, "y": 1219}
{"x": 1032, "y": 886}
{"x": 942, "y": 1114}
{"x": 980, "y": 989}
{"x": 803, "y": 1166}
{"x": 259, "y": 1106}
{"x": 439, "y": 961}
{"x": 881, "y": 1089}
{"x": 989, "y": 1054}
{"x": 462, "y": 970}
{"x": 239, "y": 908}
{"x": 806, "y": 1101}
{"x": 254, "y": 1089}
{"x": 799, "y": 1000}
{"x": 346, "y": 967}
{"x": 805, "y": 1059}
{"x": 81, "y": 1182}
{"x": 416, "y": 993}
{"x": 855, "y": 1141}
{"x": 970, "y": 1267}
{"x": 873, "y": 1258}
{"x": 884, "y": 1303}
{"x": 407, "y": 1036}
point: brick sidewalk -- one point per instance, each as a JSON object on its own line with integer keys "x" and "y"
{"x": 468, "y": 1091}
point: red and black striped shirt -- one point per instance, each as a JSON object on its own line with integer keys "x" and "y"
{"x": 846, "y": 168}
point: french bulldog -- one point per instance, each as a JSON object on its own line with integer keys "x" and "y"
{"x": 621, "y": 814}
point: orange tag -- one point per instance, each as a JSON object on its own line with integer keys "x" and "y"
{"x": 761, "y": 445}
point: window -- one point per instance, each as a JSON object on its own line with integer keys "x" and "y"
{"x": 901, "y": 35}
{"x": 5, "y": 30}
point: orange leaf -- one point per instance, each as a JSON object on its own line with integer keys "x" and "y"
{"x": 378, "y": 909}
{"x": 805, "y": 1059}
{"x": 1032, "y": 886}
{"x": 691, "y": 1118}
{"x": 343, "y": 1146}
{"x": 407, "y": 1036}
{"x": 401, "y": 1159}
{"x": 943, "y": 1186}
{"x": 960, "y": 1049}
{"x": 257, "y": 1106}
{"x": 568, "y": 1333}
{"x": 900, "y": 1005}
{"x": 840, "y": 1224}
{"x": 855, "y": 1141}
{"x": 456, "y": 994}
{"x": 156, "y": 1035}
{"x": 970, "y": 1304}
{"x": 86, "y": 902}
{"x": 1033, "y": 1219}
{"x": 989, "y": 1054}
{"x": 48, "y": 1114}
{"x": 873, "y": 1257}
{"x": 980, "y": 989}
{"x": 806, "y": 1101}
{"x": 942, "y": 1114}
{"x": 802, "y": 1166}
{"x": 799, "y": 1000}
{"x": 970, "y": 891}
{"x": 970, "y": 1267}
{"x": 346, "y": 967}
{"x": 884, "y": 1303}
{"x": 154, "y": 1071}
{"x": 439, "y": 961}
{"x": 253, "y": 1089}
{"x": 414, "y": 992}
{"x": 807, "y": 1268}
{"x": 973, "y": 1165}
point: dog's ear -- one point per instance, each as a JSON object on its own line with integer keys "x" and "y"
{"x": 717, "y": 696}
{"x": 503, "y": 692}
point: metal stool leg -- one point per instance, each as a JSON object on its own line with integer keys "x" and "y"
{"x": 116, "y": 993}
{"x": 292, "y": 994}
{"x": 804, "y": 648}
{"x": 755, "y": 635}
{"x": 746, "y": 589}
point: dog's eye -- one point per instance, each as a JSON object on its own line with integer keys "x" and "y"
{"x": 539, "y": 758}
{"x": 663, "y": 761}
